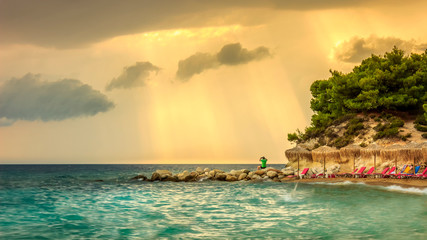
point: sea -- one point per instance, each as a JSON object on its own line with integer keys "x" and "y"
{"x": 102, "y": 202}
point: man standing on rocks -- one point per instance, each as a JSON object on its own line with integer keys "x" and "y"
{"x": 263, "y": 162}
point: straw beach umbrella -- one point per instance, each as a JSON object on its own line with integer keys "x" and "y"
{"x": 350, "y": 152}
{"x": 415, "y": 151}
{"x": 298, "y": 153}
{"x": 371, "y": 150}
{"x": 423, "y": 146}
{"x": 393, "y": 152}
{"x": 323, "y": 152}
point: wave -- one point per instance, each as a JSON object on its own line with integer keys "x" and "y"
{"x": 338, "y": 183}
{"x": 412, "y": 190}
{"x": 392, "y": 188}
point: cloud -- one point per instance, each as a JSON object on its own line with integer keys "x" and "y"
{"x": 133, "y": 76}
{"x": 71, "y": 24}
{"x": 230, "y": 54}
{"x": 357, "y": 49}
{"x": 29, "y": 98}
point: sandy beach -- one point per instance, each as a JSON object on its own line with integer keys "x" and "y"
{"x": 406, "y": 183}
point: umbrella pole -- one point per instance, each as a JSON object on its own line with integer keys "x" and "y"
{"x": 413, "y": 168}
{"x": 375, "y": 162}
{"x": 298, "y": 168}
{"x": 395, "y": 165}
{"x": 324, "y": 171}
{"x": 354, "y": 163}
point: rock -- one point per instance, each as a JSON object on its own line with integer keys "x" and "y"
{"x": 199, "y": 170}
{"x": 333, "y": 169}
{"x": 242, "y": 176}
{"x": 182, "y": 176}
{"x": 280, "y": 176}
{"x": 191, "y": 177}
{"x": 271, "y": 174}
{"x": 231, "y": 178}
{"x": 265, "y": 177}
{"x": 164, "y": 173}
{"x": 220, "y": 176}
{"x": 290, "y": 168}
{"x": 211, "y": 174}
{"x": 139, "y": 177}
{"x": 171, "y": 179}
{"x": 317, "y": 170}
{"x": 206, "y": 170}
{"x": 250, "y": 174}
{"x": 274, "y": 170}
{"x": 155, "y": 176}
{"x": 236, "y": 173}
{"x": 259, "y": 172}
{"x": 245, "y": 171}
{"x": 256, "y": 176}
{"x": 288, "y": 172}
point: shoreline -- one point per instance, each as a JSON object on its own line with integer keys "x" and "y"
{"x": 385, "y": 182}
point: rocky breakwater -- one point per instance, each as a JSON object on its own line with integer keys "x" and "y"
{"x": 267, "y": 174}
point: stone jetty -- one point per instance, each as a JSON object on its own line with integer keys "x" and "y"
{"x": 267, "y": 174}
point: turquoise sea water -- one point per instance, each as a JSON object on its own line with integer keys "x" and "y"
{"x": 69, "y": 202}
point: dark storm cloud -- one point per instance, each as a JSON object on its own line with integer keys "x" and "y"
{"x": 230, "y": 54}
{"x": 70, "y": 24}
{"x": 133, "y": 76}
{"x": 357, "y": 49}
{"x": 29, "y": 98}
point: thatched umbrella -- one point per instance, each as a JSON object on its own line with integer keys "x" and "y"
{"x": 350, "y": 152}
{"x": 423, "y": 147}
{"x": 371, "y": 150}
{"x": 415, "y": 151}
{"x": 393, "y": 152}
{"x": 323, "y": 152}
{"x": 297, "y": 153}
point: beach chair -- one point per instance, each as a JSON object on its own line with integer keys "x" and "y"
{"x": 304, "y": 173}
{"x": 405, "y": 169}
{"x": 407, "y": 175}
{"x": 363, "y": 175}
{"x": 347, "y": 174}
{"x": 387, "y": 175}
{"x": 380, "y": 174}
{"x": 359, "y": 172}
{"x": 422, "y": 175}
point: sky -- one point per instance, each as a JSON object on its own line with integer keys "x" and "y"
{"x": 168, "y": 81}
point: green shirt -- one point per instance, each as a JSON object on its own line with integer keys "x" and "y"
{"x": 263, "y": 162}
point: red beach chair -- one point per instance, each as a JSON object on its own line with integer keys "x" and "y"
{"x": 347, "y": 174}
{"x": 404, "y": 169}
{"x": 389, "y": 173}
{"x": 304, "y": 173}
{"x": 380, "y": 174}
{"x": 362, "y": 175}
{"x": 422, "y": 175}
{"x": 360, "y": 172}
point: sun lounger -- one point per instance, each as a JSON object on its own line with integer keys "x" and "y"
{"x": 422, "y": 175}
{"x": 380, "y": 174}
{"x": 387, "y": 175}
{"x": 363, "y": 175}
{"x": 347, "y": 174}
{"x": 304, "y": 173}
{"x": 361, "y": 170}
{"x": 417, "y": 168}
{"x": 405, "y": 169}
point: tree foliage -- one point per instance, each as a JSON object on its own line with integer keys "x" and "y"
{"x": 392, "y": 82}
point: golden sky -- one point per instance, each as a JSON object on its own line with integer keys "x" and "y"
{"x": 178, "y": 81}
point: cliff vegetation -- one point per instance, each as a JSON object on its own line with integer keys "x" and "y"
{"x": 377, "y": 100}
